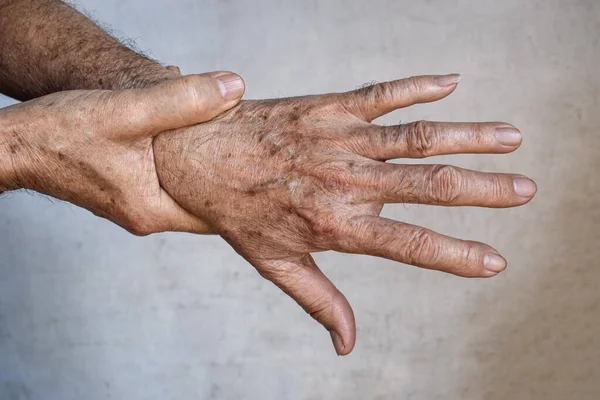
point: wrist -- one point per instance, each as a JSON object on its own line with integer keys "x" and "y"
{"x": 11, "y": 144}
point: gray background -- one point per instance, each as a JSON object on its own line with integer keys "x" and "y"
{"x": 88, "y": 311}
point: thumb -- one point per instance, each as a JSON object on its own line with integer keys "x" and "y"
{"x": 176, "y": 103}
{"x": 302, "y": 280}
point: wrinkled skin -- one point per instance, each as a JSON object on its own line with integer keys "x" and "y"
{"x": 94, "y": 148}
{"x": 280, "y": 179}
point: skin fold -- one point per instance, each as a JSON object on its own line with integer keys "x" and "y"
{"x": 134, "y": 142}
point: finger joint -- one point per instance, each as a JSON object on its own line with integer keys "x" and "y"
{"x": 421, "y": 248}
{"x": 421, "y": 139}
{"x": 445, "y": 183}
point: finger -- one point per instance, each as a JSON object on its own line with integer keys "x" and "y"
{"x": 379, "y": 99}
{"x": 443, "y": 185}
{"x": 301, "y": 279}
{"x": 425, "y": 139}
{"x": 173, "y": 104}
{"x": 418, "y": 246}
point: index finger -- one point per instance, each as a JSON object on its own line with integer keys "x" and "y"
{"x": 379, "y": 99}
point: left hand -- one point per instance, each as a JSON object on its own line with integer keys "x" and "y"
{"x": 94, "y": 148}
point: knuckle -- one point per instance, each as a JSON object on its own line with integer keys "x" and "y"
{"x": 374, "y": 93}
{"x": 194, "y": 92}
{"x": 421, "y": 139}
{"x": 421, "y": 248}
{"x": 499, "y": 191}
{"x": 284, "y": 274}
{"x": 291, "y": 278}
{"x": 466, "y": 258}
{"x": 319, "y": 308}
{"x": 444, "y": 184}
{"x": 413, "y": 85}
{"x": 479, "y": 134}
{"x": 381, "y": 92}
{"x": 322, "y": 226}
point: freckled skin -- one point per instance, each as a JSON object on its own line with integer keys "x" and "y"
{"x": 280, "y": 179}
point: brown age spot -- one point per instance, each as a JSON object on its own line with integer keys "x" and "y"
{"x": 61, "y": 156}
{"x": 208, "y": 203}
{"x": 14, "y": 148}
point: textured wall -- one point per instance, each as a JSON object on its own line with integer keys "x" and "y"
{"x": 89, "y": 312}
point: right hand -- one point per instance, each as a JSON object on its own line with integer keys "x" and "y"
{"x": 279, "y": 179}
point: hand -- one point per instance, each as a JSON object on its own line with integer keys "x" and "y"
{"x": 94, "y": 148}
{"x": 279, "y": 179}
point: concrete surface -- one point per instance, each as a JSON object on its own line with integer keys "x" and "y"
{"x": 90, "y": 312}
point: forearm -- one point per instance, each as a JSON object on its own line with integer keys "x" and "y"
{"x": 47, "y": 46}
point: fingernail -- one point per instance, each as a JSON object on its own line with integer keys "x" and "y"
{"x": 337, "y": 343}
{"x": 232, "y": 86}
{"x": 447, "y": 80}
{"x": 524, "y": 187}
{"x": 494, "y": 263}
{"x": 508, "y": 136}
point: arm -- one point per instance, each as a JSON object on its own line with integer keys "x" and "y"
{"x": 46, "y": 46}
